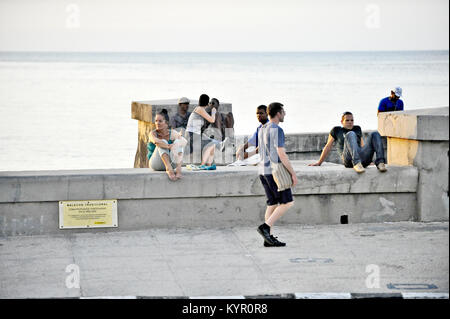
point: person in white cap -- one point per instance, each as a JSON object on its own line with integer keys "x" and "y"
{"x": 392, "y": 102}
{"x": 180, "y": 119}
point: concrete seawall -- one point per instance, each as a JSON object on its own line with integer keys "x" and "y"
{"x": 227, "y": 197}
{"x": 415, "y": 187}
{"x": 420, "y": 138}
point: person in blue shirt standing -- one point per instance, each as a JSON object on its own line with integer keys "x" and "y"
{"x": 392, "y": 102}
{"x": 261, "y": 115}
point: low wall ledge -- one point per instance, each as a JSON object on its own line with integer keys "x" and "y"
{"x": 142, "y": 183}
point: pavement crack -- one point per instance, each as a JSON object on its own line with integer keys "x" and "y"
{"x": 160, "y": 250}
{"x": 344, "y": 244}
{"x": 257, "y": 266}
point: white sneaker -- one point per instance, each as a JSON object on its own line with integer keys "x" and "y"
{"x": 359, "y": 168}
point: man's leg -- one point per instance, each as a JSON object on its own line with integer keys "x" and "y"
{"x": 279, "y": 211}
{"x": 264, "y": 229}
{"x": 373, "y": 145}
{"x": 367, "y": 151}
{"x": 377, "y": 145}
{"x": 351, "y": 152}
{"x": 274, "y": 210}
{"x": 351, "y": 148}
{"x": 269, "y": 212}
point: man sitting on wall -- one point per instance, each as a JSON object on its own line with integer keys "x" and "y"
{"x": 351, "y": 148}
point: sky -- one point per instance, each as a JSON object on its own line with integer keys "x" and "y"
{"x": 231, "y": 25}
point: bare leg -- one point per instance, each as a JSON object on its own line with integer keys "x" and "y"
{"x": 278, "y": 212}
{"x": 208, "y": 156}
{"x": 179, "y": 162}
{"x": 269, "y": 212}
{"x": 169, "y": 170}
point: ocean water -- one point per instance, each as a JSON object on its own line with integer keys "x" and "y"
{"x": 73, "y": 110}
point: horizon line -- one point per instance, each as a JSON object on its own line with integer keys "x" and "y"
{"x": 172, "y": 51}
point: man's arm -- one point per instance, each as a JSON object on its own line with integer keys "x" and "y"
{"x": 250, "y": 154}
{"x": 326, "y": 150}
{"x": 285, "y": 160}
{"x": 240, "y": 153}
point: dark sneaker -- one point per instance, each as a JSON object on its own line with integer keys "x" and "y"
{"x": 276, "y": 242}
{"x": 264, "y": 231}
{"x": 381, "y": 167}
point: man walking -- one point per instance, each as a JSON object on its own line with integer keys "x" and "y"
{"x": 271, "y": 149}
{"x": 351, "y": 148}
{"x": 392, "y": 102}
{"x": 261, "y": 115}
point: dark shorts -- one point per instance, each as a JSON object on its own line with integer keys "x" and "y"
{"x": 275, "y": 197}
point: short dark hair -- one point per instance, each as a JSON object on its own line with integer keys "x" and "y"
{"x": 346, "y": 113}
{"x": 262, "y": 107}
{"x": 164, "y": 114}
{"x": 217, "y": 101}
{"x": 203, "y": 100}
{"x": 274, "y": 108}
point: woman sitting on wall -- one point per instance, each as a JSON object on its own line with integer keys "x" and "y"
{"x": 197, "y": 141}
{"x": 166, "y": 147}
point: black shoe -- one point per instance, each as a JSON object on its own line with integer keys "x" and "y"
{"x": 276, "y": 242}
{"x": 264, "y": 231}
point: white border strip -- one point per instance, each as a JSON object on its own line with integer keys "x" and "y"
{"x": 217, "y": 297}
{"x": 425, "y": 295}
{"x": 327, "y": 295}
{"x": 110, "y": 297}
{"x": 298, "y": 295}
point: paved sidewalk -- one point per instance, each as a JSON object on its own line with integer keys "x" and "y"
{"x": 409, "y": 258}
